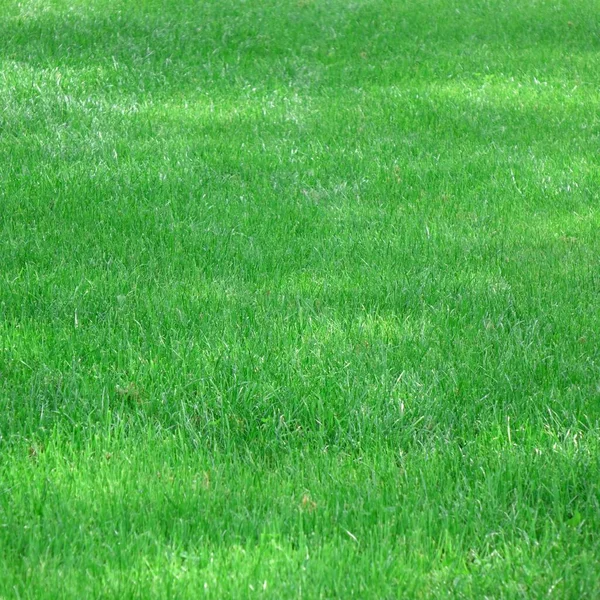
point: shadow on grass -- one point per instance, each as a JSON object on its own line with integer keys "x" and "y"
{"x": 172, "y": 48}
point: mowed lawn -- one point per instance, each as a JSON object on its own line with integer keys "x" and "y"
{"x": 299, "y": 299}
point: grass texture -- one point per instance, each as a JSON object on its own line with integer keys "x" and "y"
{"x": 299, "y": 299}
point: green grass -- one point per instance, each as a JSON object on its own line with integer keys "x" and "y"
{"x": 299, "y": 299}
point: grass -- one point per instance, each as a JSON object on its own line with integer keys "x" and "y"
{"x": 299, "y": 299}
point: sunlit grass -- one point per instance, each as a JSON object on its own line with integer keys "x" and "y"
{"x": 299, "y": 299}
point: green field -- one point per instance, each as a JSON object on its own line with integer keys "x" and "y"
{"x": 299, "y": 299}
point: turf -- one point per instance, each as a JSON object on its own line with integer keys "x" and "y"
{"x": 299, "y": 299}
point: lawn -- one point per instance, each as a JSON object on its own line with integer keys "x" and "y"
{"x": 299, "y": 299}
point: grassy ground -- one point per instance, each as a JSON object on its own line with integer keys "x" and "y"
{"x": 299, "y": 299}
